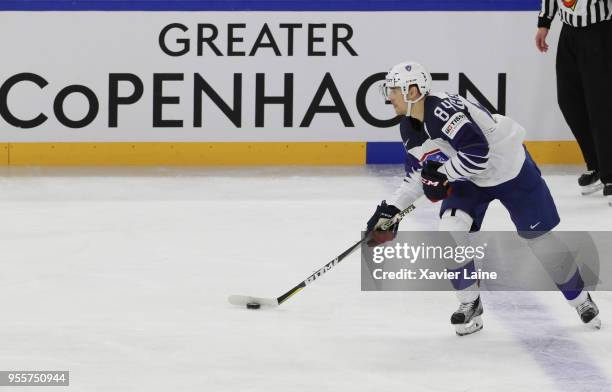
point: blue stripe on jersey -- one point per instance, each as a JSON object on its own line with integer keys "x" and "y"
{"x": 466, "y": 169}
{"x": 469, "y": 142}
{"x": 456, "y": 173}
{"x": 463, "y": 168}
{"x": 466, "y": 162}
{"x": 475, "y": 159}
{"x": 269, "y": 5}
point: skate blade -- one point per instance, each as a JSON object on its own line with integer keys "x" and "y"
{"x": 589, "y": 189}
{"x": 467, "y": 329}
{"x": 595, "y": 323}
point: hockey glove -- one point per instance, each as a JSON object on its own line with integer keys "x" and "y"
{"x": 384, "y": 212}
{"x": 435, "y": 184}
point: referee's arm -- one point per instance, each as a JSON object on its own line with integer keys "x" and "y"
{"x": 547, "y": 13}
{"x": 545, "y": 18}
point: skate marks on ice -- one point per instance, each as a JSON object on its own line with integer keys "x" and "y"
{"x": 559, "y": 354}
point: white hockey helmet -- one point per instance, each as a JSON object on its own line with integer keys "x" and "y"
{"x": 404, "y": 75}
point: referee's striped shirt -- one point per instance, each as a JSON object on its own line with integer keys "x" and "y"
{"x": 576, "y": 13}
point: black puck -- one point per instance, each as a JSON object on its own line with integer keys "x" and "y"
{"x": 253, "y": 305}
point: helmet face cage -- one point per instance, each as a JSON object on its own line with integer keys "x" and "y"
{"x": 405, "y": 75}
{"x": 384, "y": 90}
{"x": 393, "y": 80}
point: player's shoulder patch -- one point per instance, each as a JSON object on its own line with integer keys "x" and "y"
{"x": 454, "y": 124}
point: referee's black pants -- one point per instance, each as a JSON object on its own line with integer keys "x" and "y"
{"x": 584, "y": 91}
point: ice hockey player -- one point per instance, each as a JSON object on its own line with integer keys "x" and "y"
{"x": 460, "y": 153}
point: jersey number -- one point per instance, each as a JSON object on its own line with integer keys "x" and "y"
{"x": 452, "y": 102}
{"x": 441, "y": 114}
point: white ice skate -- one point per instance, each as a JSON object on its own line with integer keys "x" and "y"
{"x": 589, "y": 313}
{"x": 468, "y": 318}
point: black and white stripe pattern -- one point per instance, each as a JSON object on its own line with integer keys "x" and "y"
{"x": 584, "y": 12}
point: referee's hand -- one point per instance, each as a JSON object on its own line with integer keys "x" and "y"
{"x": 540, "y": 39}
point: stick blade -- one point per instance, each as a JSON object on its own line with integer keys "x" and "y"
{"x": 242, "y": 300}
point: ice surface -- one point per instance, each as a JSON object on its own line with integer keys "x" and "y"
{"x": 122, "y": 275}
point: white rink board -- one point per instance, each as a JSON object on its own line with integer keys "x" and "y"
{"x": 85, "y": 47}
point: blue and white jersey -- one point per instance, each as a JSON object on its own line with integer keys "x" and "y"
{"x": 475, "y": 145}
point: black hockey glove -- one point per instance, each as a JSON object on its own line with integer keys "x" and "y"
{"x": 383, "y": 213}
{"x": 435, "y": 184}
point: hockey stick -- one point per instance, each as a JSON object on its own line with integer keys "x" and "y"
{"x": 243, "y": 300}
